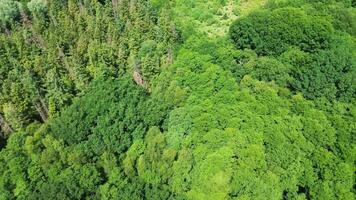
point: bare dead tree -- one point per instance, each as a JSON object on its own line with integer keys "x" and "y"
{"x": 138, "y": 78}
{"x": 24, "y": 18}
{"x": 82, "y": 9}
{"x": 170, "y": 56}
{"x": 42, "y": 109}
{"x": 115, "y": 3}
{"x": 66, "y": 64}
{"x": 5, "y": 127}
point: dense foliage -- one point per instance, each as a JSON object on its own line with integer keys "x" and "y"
{"x": 313, "y": 58}
{"x": 181, "y": 99}
{"x": 9, "y": 11}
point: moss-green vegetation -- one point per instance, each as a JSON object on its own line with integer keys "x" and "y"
{"x": 181, "y": 99}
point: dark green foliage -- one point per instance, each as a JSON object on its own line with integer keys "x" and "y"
{"x": 308, "y": 55}
{"x": 107, "y": 118}
{"x": 78, "y": 153}
{"x": 344, "y": 20}
{"x": 271, "y": 33}
{"x": 65, "y": 45}
{"x": 106, "y": 100}
{"x": 340, "y": 12}
{"x": 328, "y": 73}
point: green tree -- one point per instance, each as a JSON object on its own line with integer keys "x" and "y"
{"x": 9, "y": 11}
{"x": 273, "y": 32}
{"x": 37, "y": 6}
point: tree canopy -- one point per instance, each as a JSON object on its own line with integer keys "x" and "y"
{"x": 177, "y": 100}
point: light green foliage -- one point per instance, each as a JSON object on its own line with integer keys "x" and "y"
{"x": 9, "y": 10}
{"x": 37, "y": 6}
{"x": 54, "y": 59}
{"x": 267, "y": 115}
{"x": 149, "y": 60}
{"x": 266, "y": 69}
{"x": 80, "y": 164}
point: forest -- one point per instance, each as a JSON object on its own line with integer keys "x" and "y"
{"x": 178, "y": 99}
